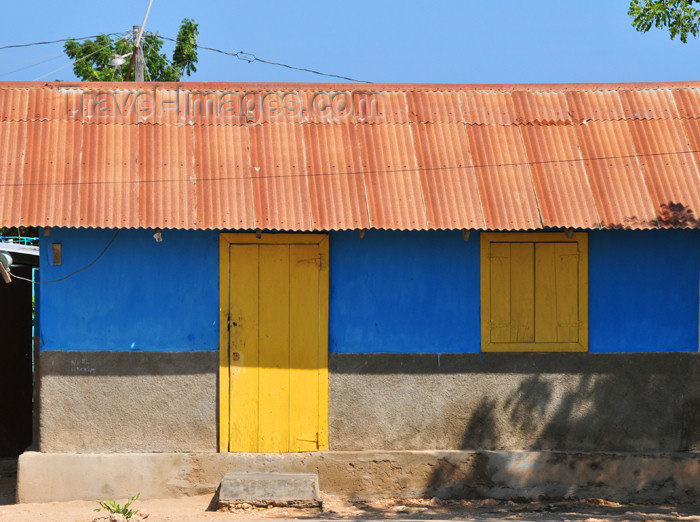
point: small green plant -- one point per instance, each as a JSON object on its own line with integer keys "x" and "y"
{"x": 113, "y": 507}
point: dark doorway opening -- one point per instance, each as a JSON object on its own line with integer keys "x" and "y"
{"x": 16, "y": 364}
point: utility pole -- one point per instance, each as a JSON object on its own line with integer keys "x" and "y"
{"x": 139, "y": 62}
{"x": 137, "y": 55}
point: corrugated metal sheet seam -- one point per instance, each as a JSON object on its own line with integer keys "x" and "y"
{"x": 333, "y": 157}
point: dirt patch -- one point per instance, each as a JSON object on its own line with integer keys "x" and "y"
{"x": 198, "y": 508}
{"x": 489, "y": 509}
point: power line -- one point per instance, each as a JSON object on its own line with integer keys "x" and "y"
{"x": 167, "y": 62}
{"x": 81, "y": 59}
{"x": 75, "y": 272}
{"x": 14, "y": 46}
{"x": 30, "y": 60}
{"x": 37, "y": 61}
{"x": 246, "y": 57}
{"x": 353, "y": 173}
{"x": 249, "y": 57}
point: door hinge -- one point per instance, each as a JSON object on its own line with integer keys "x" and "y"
{"x": 310, "y": 438}
{"x": 577, "y": 324}
{"x": 317, "y": 260}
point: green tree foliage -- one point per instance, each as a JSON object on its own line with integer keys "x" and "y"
{"x": 19, "y": 232}
{"x": 91, "y": 57}
{"x": 678, "y": 16}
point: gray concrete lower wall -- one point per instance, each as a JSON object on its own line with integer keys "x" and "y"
{"x": 44, "y": 477}
{"x": 134, "y": 401}
{"x": 560, "y": 402}
{"x": 99, "y": 402}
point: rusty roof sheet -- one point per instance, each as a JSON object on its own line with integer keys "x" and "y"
{"x": 596, "y": 105}
{"x": 13, "y": 143}
{"x": 166, "y": 153}
{"x": 447, "y": 174}
{"x": 336, "y": 179}
{"x": 670, "y": 170}
{"x": 280, "y": 183}
{"x": 223, "y": 183}
{"x": 562, "y": 187}
{"x": 621, "y": 195}
{"x": 394, "y": 193}
{"x": 345, "y": 156}
{"x": 504, "y": 176}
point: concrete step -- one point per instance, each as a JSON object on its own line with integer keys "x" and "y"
{"x": 240, "y": 490}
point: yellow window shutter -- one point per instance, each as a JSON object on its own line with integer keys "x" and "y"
{"x": 534, "y": 292}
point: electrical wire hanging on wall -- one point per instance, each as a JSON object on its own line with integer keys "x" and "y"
{"x": 75, "y": 272}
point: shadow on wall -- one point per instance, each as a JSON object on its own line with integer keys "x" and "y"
{"x": 638, "y": 407}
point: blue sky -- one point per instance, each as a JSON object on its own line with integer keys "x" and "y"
{"x": 382, "y": 41}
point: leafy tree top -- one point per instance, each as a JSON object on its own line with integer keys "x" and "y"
{"x": 91, "y": 57}
{"x": 680, "y": 17}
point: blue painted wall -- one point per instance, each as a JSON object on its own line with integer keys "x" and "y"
{"x": 389, "y": 292}
{"x": 141, "y": 295}
{"x": 404, "y": 292}
{"x": 643, "y": 290}
{"x": 419, "y": 292}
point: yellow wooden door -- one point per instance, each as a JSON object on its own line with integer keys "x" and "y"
{"x": 274, "y": 371}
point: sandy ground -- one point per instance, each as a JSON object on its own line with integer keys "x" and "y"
{"x": 191, "y": 509}
{"x": 202, "y": 508}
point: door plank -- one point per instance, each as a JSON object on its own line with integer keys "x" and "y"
{"x": 243, "y": 349}
{"x": 304, "y": 333}
{"x": 224, "y": 344}
{"x": 273, "y": 412}
{"x": 322, "y": 384}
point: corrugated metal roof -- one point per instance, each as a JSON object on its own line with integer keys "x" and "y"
{"x": 224, "y": 186}
{"x": 392, "y": 180}
{"x": 280, "y": 184}
{"x": 615, "y": 175}
{"x": 505, "y": 180}
{"x": 13, "y": 142}
{"x": 336, "y": 180}
{"x": 670, "y": 171}
{"x": 340, "y": 156}
{"x": 452, "y": 198}
{"x": 563, "y": 191}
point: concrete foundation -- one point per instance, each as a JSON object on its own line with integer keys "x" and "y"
{"x": 44, "y": 477}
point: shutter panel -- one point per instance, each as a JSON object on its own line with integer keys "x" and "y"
{"x": 499, "y": 287}
{"x": 545, "y": 294}
{"x": 522, "y": 283}
{"x": 566, "y": 267}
